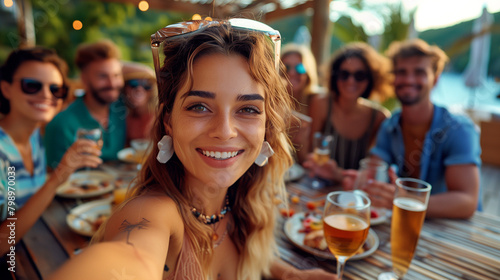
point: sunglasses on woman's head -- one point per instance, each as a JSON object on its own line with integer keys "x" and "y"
{"x": 32, "y": 86}
{"x": 186, "y": 27}
{"x": 299, "y": 68}
{"x": 145, "y": 84}
{"x": 359, "y": 76}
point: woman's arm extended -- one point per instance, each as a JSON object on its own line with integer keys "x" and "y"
{"x": 135, "y": 247}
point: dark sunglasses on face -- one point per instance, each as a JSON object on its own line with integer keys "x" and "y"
{"x": 359, "y": 76}
{"x": 32, "y": 86}
{"x": 299, "y": 68}
{"x": 145, "y": 84}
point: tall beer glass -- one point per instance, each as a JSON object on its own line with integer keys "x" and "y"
{"x": 346, "y": 222}
{"x": 408, "y": 214}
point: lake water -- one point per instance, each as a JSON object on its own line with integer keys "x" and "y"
{"x": 451, "y": 92}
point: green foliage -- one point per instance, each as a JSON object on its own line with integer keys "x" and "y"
{"x": 396, "y": 27}
{"x": 346, "y": 31}
{"x": 288, "y": 26}
{"x": 124, "y": 24}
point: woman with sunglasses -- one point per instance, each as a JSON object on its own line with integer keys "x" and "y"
{"x": 32, "y": 90}
{"x": 140, "y": 97}
{"x": 302, "y": 83}
{"x": 202, "y": 207}
{"x": 356, "y": 72}
{"x": 302, "y": 74}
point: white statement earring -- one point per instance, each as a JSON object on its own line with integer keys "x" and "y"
{"x": 265, "y": 153}
{"x": 166, "y": 149}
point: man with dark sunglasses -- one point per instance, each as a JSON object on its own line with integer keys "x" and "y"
{"x": 100, "y": 107}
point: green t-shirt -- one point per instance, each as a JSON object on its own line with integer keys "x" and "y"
{"x": 60, "y": 133}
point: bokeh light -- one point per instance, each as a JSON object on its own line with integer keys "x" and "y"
{"x": 196, "y": 17}
{"x": 77, "y": 25}
{"x": 143, "y": 5}
{"x": 8, "y": 3}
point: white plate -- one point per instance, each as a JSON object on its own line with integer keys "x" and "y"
{"x": 383, "y": 216}
{"x": 104, "y": 183}
{"x": 89, "y": 211}
{"x": 127, "y": 155}
{"x": 294, "y": 224}
{"x": 295, "y": 172}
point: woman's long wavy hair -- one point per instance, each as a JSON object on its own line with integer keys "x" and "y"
{"x": 251, "y": 196}
{"x": 378, "y": 67}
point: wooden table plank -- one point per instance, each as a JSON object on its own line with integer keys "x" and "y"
{"x": 44, "y": 249}
{"x": 55, "y": 218}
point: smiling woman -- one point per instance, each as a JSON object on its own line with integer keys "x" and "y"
{"x": 203, "y": 204}
{"x": 33, "y": 87}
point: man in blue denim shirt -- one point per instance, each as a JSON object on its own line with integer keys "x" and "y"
{"x": 426, "y": 141}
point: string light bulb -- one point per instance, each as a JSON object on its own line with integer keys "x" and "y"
{"x": 77, "y": 25}
{"x": 143, "y": 5}
{"x": 8, "y": 3}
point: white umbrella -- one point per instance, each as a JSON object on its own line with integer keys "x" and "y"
{"x": 412, "y": 32}
{"x": 476, "y": 71}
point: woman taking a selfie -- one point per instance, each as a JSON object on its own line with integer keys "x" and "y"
{"x": 203, "y": 204}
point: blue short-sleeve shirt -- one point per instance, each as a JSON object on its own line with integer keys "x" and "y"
{"x": 451, "y": 140}
{"x": 24, "y": 183}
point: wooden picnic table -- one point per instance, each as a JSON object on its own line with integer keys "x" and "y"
{"x": 447, "y": 249}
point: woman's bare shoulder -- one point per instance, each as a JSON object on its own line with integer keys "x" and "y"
{"x": 382, "y": 112}
{"x": 158, "y": 210}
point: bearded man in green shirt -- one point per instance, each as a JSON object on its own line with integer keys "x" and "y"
{"x": 100, "y": 107}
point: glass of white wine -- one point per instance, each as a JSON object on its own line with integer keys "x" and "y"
{"x": 94, "y": 134}
{"x": 346, "y": 222}
{"x": 321, "y": 155}
{"x": 408, "y": 214}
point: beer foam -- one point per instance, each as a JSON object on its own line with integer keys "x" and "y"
{"x": 409, "y": 204}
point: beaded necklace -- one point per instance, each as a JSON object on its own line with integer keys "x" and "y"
{"x": 208, "y": 220}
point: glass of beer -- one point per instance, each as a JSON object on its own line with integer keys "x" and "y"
{"x": 408, "y": 214}
{"x": 346, "y": 222}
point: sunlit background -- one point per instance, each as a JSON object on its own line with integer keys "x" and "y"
{"x": 63, "y": 25}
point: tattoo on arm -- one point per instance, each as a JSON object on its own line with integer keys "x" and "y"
{"x": 128, "y": 227}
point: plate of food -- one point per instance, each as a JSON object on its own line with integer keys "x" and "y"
{"x": 379, "y": 215}
{"x": 305, "y": 230}
{"x": 84, "y": 184}
{"x": 86, "y": 218}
